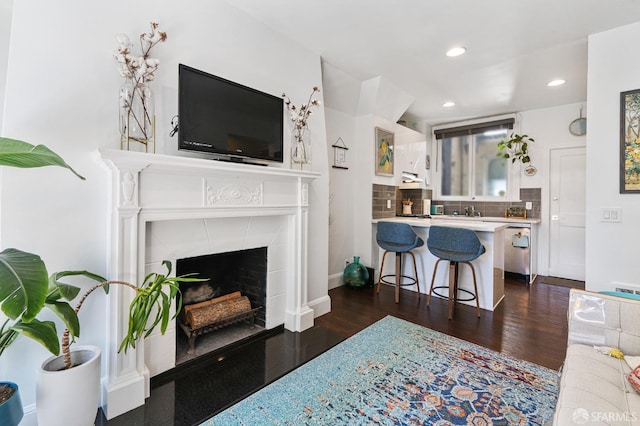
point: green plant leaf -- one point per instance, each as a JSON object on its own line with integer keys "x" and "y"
{"x": 24, "y": 284}
{"x": 67, "y": 315}
{"x": 7, "y": 338}
{"x": 61, "y": 291}
{"x": 43, "y": 332}
{"x": 16, "y": 153}
{"x": 67, "y": 291}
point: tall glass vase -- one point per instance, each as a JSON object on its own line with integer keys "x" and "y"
{"x": 300, "y": 145}
{"x": 137, "y": 115}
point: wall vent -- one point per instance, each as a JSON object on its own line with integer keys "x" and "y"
{"x": 627, "y": 288}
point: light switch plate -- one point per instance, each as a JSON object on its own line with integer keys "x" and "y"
{"x": 611, "y": 214}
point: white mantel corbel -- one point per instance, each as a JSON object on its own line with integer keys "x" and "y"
{"x": 151, "y": 187}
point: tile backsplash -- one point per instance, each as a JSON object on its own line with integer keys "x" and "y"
{"x": 497, "y": 209}
{"x": 382, "y": 193}
{"x": 415, "y": 195}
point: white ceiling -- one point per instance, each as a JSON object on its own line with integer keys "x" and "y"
{"x": 514, "y": 47}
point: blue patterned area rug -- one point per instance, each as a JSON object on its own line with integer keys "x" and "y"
{"x": 396, "y": 372}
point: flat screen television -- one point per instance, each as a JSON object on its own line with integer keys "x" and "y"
{"x": 221, "y": 117}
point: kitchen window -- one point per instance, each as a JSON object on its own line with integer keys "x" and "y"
{"x": 470, "y": 168}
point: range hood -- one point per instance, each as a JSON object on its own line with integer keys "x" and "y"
{"x": 411, "y": 181}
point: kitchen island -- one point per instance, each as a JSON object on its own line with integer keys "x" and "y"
{"x": 489, "y": 267}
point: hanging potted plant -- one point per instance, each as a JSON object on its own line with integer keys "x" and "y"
{"x": 516, "y": 148}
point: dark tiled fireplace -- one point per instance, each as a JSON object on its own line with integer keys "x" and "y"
{"x": 235, "y": 280}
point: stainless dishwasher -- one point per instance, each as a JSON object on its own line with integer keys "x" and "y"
{"x": 517, "y": 250}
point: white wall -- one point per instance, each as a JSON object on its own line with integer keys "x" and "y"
{"x": 409, "y": 153}
{"x": 341, "y": 194}
{"x": 6, "y": 7}
{"x": 550, "y": 129}
{"x": 63, "y": 92}
{"x": 612, "y": 248}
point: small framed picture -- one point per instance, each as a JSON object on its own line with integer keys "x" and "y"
{"x": 340, "y": 154}
{"x": 384, "y": 152}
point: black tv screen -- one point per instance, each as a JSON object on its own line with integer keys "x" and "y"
{"x": 219, "y": 116}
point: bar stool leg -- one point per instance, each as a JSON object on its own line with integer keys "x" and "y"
{"x": 398, "y": 275}
{"x": 415, "y": 272}
{"x": 475, "y": 288}
{"x": 433, "y": 279}
{"x": 381, "y": 269}
{"x": 453, "y": 280}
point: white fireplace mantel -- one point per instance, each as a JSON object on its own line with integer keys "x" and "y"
{"x": 153, "y": 187}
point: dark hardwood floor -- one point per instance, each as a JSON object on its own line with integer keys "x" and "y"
{"x": 529, "y": 324}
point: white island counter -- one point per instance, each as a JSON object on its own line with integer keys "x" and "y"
{"x": 489, "y": 267}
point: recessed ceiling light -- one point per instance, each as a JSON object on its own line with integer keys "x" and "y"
{"x": 558, "y": 82}
{"x": 456, "y": 51}
{"x": 448, "y": 104}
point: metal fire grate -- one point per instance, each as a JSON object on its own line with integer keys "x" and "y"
{"x": 193, "y": 333}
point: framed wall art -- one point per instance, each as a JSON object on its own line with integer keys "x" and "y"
{"x": 630, "y": 141}
{"x": 384, "y": 152}
{"x": 340, "y": 154}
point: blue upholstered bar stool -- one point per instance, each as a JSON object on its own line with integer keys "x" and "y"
{"x": 457, "y": 245}
{"x": 398, "y": 238}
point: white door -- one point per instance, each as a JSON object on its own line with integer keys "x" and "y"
{"x": 567, "y": 211}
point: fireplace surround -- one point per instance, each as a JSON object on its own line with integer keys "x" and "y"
{"x": 166, "y": 208}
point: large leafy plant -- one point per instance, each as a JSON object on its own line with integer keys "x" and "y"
{"x": 150, "y": 307}
{"x": 26, "y": 287}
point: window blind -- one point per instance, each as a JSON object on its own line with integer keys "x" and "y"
{"x": 474, "y": 129}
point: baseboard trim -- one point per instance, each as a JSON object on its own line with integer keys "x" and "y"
{"x": 320, "y": 306}
{"x": 335, "y": 280}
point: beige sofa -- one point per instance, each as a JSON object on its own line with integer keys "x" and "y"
{"x": 594, "y": 388}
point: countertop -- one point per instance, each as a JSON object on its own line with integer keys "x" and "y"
{"x": 475, "y": 225}
{"x": 487, "y": 219}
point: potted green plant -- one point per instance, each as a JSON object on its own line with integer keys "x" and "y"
{"x": 24, "y": 283}
{"x": 515, "y": 147}
{"x": 26, "y": 289}
{"x": 69, "y": 384}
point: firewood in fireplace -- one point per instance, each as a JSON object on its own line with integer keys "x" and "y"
{"x": 227, "y": 296}
{"x": 209, "y": 314}
{"x": 187, "y": 308}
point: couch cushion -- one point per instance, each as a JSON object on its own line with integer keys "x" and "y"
{"x": 603, "y": 320}
{"x": 594, "y": 388}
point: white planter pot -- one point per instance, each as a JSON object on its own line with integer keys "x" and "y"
{"x": 69, "y": 397}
